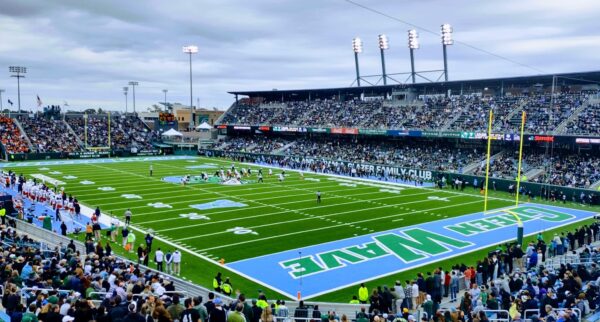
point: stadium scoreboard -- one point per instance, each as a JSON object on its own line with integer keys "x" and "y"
{"x": 166, "y": 117}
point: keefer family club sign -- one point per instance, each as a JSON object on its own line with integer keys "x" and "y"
{"x": 321, "y": 268}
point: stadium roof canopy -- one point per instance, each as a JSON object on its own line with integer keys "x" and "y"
{"x": 456, "y": 87}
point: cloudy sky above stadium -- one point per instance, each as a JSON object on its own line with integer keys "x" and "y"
{"x": 84, "y": 52}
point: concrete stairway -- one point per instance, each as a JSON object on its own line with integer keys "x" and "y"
{"x": 472, "y": 167}
{"x": 230, "y": 109}
{"x": 562, "y": 127}
{"x": 283, "y": 148}
{"x": 513, "y": 115}
{"x": 24, "y": 134}
{"x": 70, "y": 129}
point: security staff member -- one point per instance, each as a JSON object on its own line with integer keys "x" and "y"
{"x": 3, "y": 215}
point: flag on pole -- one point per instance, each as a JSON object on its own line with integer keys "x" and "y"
{"x": 39, "y": 101}
{"x": 10, "y": 102}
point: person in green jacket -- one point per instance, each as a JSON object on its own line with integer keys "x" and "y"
{"x": 201, "y": 309}
{"x": 428, "y": 306}
{"x": 47, "y": 223}
{"x": 237, "y": 315}
{"x": 30, "y": 316}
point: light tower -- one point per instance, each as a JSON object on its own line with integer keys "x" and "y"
{"x": 125, "y": 89}
{"x": 191, "y": 50}
{"x": 133, "y": 84}
{"x": 17, "y": 72}
{"x": 446, "y": 41}
{"x": 165, "y": 92}
{"x": 383, "y": 45}
{"x": 413, "y": 43}
{"x": 357, "y": 47}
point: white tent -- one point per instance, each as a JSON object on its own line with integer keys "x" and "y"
{"x": 203, "y": 126}
{"x": 172, "y": 132}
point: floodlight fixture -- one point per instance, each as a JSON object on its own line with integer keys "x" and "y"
{"x": 383, "y": 42}
{"x": 191, "y": 49}
{"x": 447, "y": 35}
{"x": 413, "y": 39}
{"x": 17, "y": 71}
{"x": 357, "y": 45}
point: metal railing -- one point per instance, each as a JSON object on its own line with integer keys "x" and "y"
{"x": 527, "y": 314}
{"x": 497, "y": 315}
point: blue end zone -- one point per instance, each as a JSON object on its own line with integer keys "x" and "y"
{"x": 316, "y": 269}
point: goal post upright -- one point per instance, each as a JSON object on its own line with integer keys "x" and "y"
{"x": 487, "y": 161}
{"x": 518, "y": 179}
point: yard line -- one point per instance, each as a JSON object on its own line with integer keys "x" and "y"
{"x": 263, "y": 215}
{"x": 329, "y": 227}
{"x": 190, "y": 193}
{"x": 161, "y": 186}
{"x": 300, "y": 211}
{"x": 197, "y": 188}
{"x": 249, "y": 208}
{"x": 367, "y": 180}
{"x": 139, "y": 191}
{"x": 274, "y": 184}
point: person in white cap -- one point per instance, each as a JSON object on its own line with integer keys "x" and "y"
{"x": 68, "y": 318}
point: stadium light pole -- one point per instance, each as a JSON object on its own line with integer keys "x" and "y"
{"x": 413, "y": 43}
{"x": 383, "y": 45}
{"x": 357, "y": 47}
{"x": 133, "y": 84}
{"x": 1, "y": 91}
{"x": 17, "y": 72}
{"x": 165, "y": 92}
{"x": 190, "y": 50}
{"x": 446, "y": 41}
{"x": 125, "y": 90}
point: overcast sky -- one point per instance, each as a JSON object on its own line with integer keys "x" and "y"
{"x": 84, "y": 52}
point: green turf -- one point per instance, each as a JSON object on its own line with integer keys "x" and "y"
{"x": 282, "y": 215}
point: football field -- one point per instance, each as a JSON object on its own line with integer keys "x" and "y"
{"x": 239, "y": 223}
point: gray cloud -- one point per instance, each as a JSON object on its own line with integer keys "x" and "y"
{"x": 84, "y": 52}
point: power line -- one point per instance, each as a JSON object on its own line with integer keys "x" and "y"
{"x": 437, "y": 34}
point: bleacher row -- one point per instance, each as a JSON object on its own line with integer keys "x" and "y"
{"x": 569, "y": 170}
{"x": 459, "y": 113}
{"x": 47, "y": 134}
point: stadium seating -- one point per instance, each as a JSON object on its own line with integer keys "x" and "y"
{"x": 126, "y": 131}
{"x": 588, "y": 121}
{"x": 11, "y": 137}
{"x": 49, "y": 135}
{"x": 459, "y": 113}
